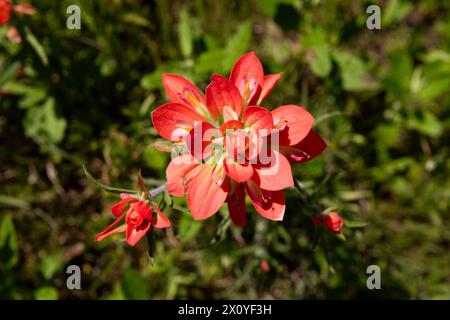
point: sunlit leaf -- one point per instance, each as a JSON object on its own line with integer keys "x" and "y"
{"x": 46, "y": 293}
{"x": 9, "y": 255}
{"x": 185, "y": 33}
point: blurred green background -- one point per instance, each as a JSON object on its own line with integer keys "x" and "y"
{"x": 380, "y": 98}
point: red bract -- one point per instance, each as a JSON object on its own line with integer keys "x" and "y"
{"x": 5, "y": 11}
{"x": 137, "y": 215}
{"x": 228, "y": 146}
{"x": 332, "y": 221}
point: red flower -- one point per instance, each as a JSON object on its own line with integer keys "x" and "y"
{"x": 225, "y": 139}
{"x": 332, "y": 221}
{"x": 5, "y": 11}
{"x": 6, "y": 7}
{"x": 264, "y": 265}
{"x": 139, "y": 215}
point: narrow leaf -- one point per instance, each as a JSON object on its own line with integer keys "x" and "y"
{"x": 37, "y": 46}
{"x": 355, "y": 224}
{"x": 104, "y": 187}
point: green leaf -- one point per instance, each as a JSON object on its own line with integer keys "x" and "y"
{"x": 221, "y": 60}
{"x": 36, "y": 45}
{"x": 9, "y": 72}
{"x": 210, "y": 60}
{"x": 355, "y": 224}
{"x": 46, "y": 293}
{"x": 153, "y": 80}
{"x": 115, "y": 294}
{"x": 395, "y": 11}
{"x": 321, "y": 64}
{"x": 8, "y": 243}
{"x": 155, "y": 159}
{"x": 331, "y": 209}
{"x": 136, "y": 19}
{"x": 353, "y": 195}
{"x": 238, "y": 43}
{"x": 427, "y": 124}
{"x": 180, "y": 208}
{"x": 32, "y": 97}
{"x": 167, "y": 198}
{"x": 105, "y": 187}
{"x": 399, "y": 78}
{"x": 353, "y": 72}
{"x": 185, "y": 33}
{"x": 268, "y": 7}
{"x": 14, "y": 202}
{"x": 434, "y": 88}
{"x": 51, "y": 264}
{"x": 189, "y": 228}
{"x": 320, "y": 60}
{"x": 135, "y": 286}
{"x": 42, "y": 122}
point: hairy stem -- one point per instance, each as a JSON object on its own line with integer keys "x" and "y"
{"x": 154, "y": 192}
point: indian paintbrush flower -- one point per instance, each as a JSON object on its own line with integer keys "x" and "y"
{"x": 332, "y": 221}
{"x": 135, "y": 215}
{"x": 228, "y": 146}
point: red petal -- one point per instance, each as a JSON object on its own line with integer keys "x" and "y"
{"x": 134, "y": 235}
{"x": 143, "y": 209}
{"x": 120, "y": 206}
{"x": 333, "y": 222}
{"x": 220, "y": 93}
{"x": 5, "y": 12}
{"x": 294, "y": 122}
{"x": 110, "y": 229}
{"x": 176, "y": 171}
{"x": 269, "y": 82}
{"x": 247, "y": 66}
{"x": 200, "y": 137}
{"x": 269, "y": 204}
{"x": 231, "y": 125}
{"x": 236, "y": 205}
{"x": 229, "y": 114}
{"x": 308, "y": 149}
{"x": 205, "y": 196}
{"x": 182, "y": 90}
{"x": 171, "y": 116}
{"x": 258, "y": 118}
{"x": 161, "y": 221}
{"x": 105, "y": 234}
{"x": 277, "y": 175}
{"x": 238, "y": 172}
